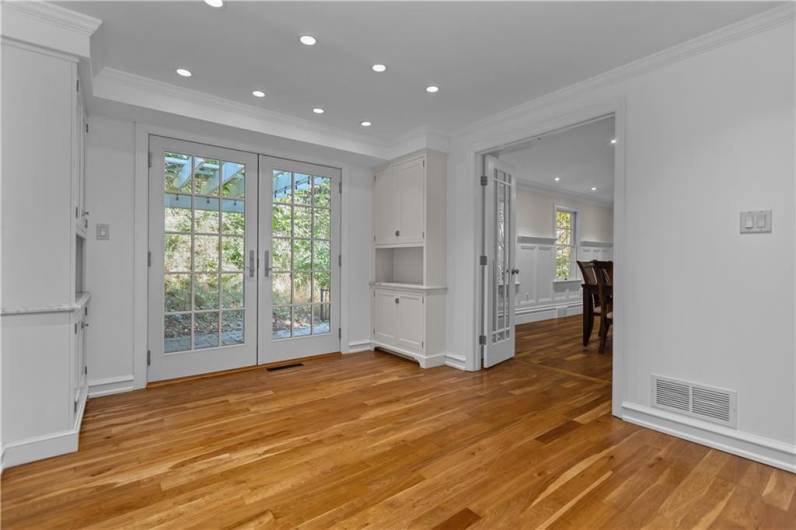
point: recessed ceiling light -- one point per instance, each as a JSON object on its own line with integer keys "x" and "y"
{"x": 432, "y": 89}
{"x": 318, "y": 110}
{"x": 366, "y": 124}
{"x": 214, "y": 3}
{"x": 379, "y": 68}
{"x": 557, "y": 179}
{"x": 594, "y": 188}
{"x": 613, "y": 140}
{"x": 183, "y": 72}
{"x": 258, "y": 93}
{"x": 308, "y": 40}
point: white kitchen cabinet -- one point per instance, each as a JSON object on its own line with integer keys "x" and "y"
{"x": 44, "y": 311}
{"x": 410, "y": 321}
{"x": 410, "y": 258}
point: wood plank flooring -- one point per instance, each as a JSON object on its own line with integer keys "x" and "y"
{"x": 371, "y": 440}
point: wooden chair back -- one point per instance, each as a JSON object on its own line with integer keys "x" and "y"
{"x": 604, "y": 272}
{"x": 588, "y": 273}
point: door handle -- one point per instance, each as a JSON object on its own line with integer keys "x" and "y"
{"x": 266, "y": 264}
{"x": 515, "y": 271}
{"x": 251, "y": 264}
{"x": 397, "y": 233}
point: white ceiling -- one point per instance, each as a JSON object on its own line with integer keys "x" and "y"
{"x": 485, "y": 56}
{"x": 582, "y": 157}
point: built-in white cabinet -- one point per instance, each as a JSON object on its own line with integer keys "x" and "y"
{"x": 44, "y": 309}
{"x": 408, "y": 308}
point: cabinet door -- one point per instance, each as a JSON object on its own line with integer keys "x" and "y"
{"x": 411, "y": 180}
{"x": 411, "y": 322}
{"x": 385, "y": 326}
{"x": 83, "y": 350}
{"x": 385, "y": 207}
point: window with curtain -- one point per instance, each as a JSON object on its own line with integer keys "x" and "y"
{"x": 566, "y": 250}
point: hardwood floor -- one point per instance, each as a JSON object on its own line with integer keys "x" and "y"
{"x": 373, "y": 440}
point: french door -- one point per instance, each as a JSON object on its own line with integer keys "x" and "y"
{"x": 499, "y": 270}
{"x": 300, "y": 242}
{"x": 203, "y": 278}
{"x": 243, "y": 259}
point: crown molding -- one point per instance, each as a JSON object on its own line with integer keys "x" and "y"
{"x": 551, "y": 190}
{"x": 48, "y": 25}
{"x": 124, "y": 87}
{"x": 419, "y": 139}
{"x": 723, "y": 36}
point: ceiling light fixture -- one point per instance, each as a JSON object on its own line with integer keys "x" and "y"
{"x": 308, "y": 40}
{"x": 432, "y": 89}
{"x": 613, "y": 140}
{"x": 183, "y": 72}
{"x": 557, "y": 179}
{"x": 593, "y": 188}
{"x": 366, "y": 124}
{"x": 318, "y": 110}
{"x": 214, "y": 3}
{"x": 258, "y": 93}
{"x": 379, "y": 68}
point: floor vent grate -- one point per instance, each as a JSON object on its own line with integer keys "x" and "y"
{"x": 717, "y": 405}
{"x": 285, "y": 367}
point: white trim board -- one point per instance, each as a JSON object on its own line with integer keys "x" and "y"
{"x": 456, "y": 361}
{"x": 757, "y": 448}
{"x": 45, "y": 446}
{"x": 110, "y": 385}
{"x": 527, "y": 314}
{"x": 359, "y": 346}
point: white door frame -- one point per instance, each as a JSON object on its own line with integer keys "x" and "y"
{"x": 541, "y": 124}
{"x": 140, "y": 230}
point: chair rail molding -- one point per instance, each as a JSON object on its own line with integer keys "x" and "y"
{"x": 48, "y": 25}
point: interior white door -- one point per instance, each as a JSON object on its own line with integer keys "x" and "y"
{"x": 299, "y": 302}
{"x": 498, "y": 241}
{"x": 203, "y": 245}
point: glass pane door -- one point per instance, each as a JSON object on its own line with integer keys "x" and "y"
{"x": 299, "y": 232}
{"x": 202, "y": 265}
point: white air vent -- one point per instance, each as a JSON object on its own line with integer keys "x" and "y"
{"x": 707, "y": 403}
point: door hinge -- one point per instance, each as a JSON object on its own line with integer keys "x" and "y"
{"x": 77, "y": 212}
{"x": 75, "y": 328}
{"x": 148, "y": 357}
{"x": 340, "y": 186}
{"x": 422, "y": 299}
{"x": 149, "y": 158}
{"x": 340, "y": 260}
{"x": 85, "y": 370}
{"x": 482, "y": 340}
{"x": 87, "y": 128}
{"x": 74, "y": 406}
{"x": 149, "y": 258}
{"x": 77, "y": 85}
{"x": 483, "y": 261}
{"x": 339, "y": 333}
{"x": 484, "y": 180}
{"x": 424, "y": 163}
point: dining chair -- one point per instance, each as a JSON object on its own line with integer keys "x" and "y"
{"x": 604, "y": 272}
{"x": 591, "y": 303}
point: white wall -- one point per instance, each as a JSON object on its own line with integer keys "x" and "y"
{"x": 110, "y": 264}
{"x": 535, "y": 211}
{"x": 706, "y": 137}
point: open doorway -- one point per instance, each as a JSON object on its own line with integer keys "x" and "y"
{"x": 548, "y": 247}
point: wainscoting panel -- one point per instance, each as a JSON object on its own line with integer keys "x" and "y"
{"x": 537, "y": 295}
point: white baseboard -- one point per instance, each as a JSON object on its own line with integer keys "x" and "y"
{"x": 110, "y": 385}
{"x": 47, "y": 445}
{"x": 758, "y": 448}
{"x": 524, "y": 315}
{"x": 431, "y": 361}
{"x": 455, "y": 361}
{"x": 358, "y": 346}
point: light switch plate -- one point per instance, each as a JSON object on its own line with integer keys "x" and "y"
{"x": 756, "y": 222}
{"x": 103, "y": 232}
